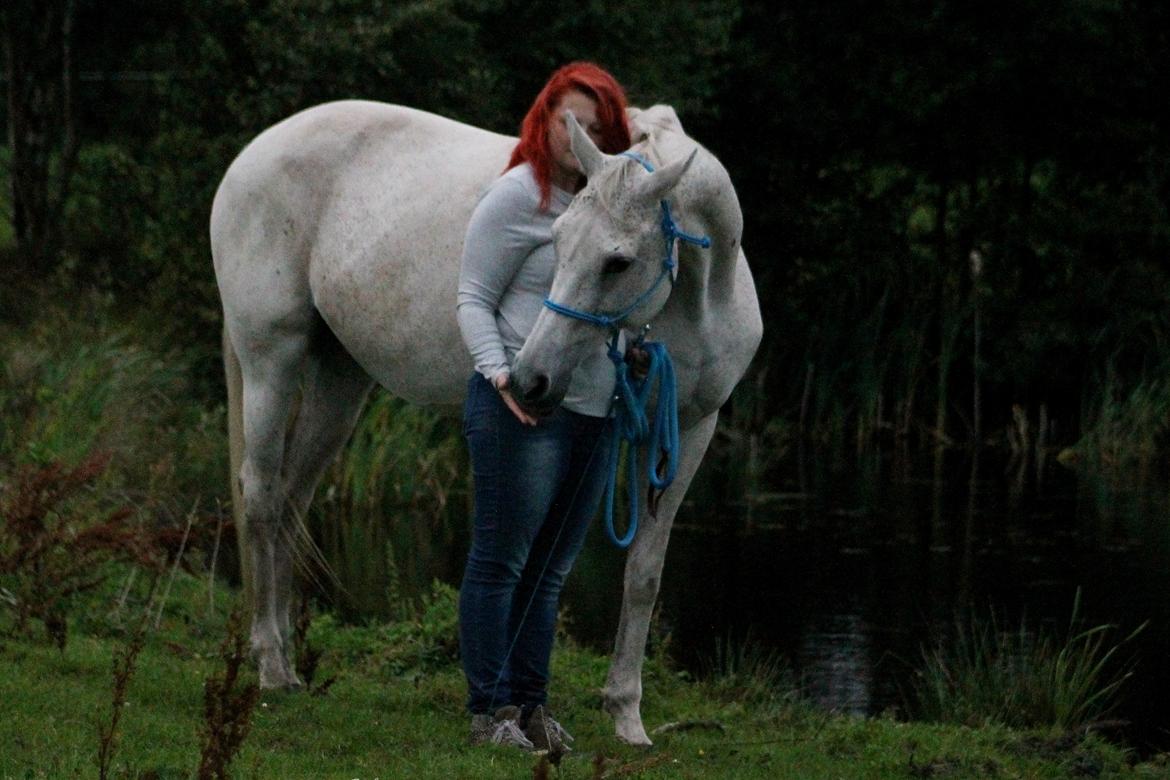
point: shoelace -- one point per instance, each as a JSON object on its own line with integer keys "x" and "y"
{"x": 554, "y": 733}
{"x": 557, "y": 730}
{"x": 508, "y": 733}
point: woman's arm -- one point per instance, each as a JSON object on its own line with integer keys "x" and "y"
{"x": 494, "y": 250}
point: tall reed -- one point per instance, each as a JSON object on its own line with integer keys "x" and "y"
{"x": 744, "y": 670}
{"x": 1127, "y": 427}
{"x": 391, "y": 512}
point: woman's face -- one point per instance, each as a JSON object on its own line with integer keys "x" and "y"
{"x": 566, "y": 168}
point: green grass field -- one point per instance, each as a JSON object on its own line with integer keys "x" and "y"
{"x": 396, "y": 711}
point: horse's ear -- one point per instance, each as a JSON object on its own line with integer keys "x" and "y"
{"x": 591, "y": 158}
{"x": 658, "y": 184}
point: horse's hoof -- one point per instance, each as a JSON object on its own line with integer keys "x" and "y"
{"x": 633, "y": 734}
{"x": 287, "y": 686}
{"x": 276, "y": 676}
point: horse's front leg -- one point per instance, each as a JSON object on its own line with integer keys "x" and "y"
{"x": 623, "y": 687}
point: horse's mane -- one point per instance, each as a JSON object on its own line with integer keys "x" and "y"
{"x": 648, "y": 122}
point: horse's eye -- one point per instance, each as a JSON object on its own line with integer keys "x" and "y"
{"x": 615, "y": 264}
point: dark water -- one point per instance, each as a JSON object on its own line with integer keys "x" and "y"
{"x": 848, "y": 579}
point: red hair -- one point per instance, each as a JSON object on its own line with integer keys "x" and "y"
{"x": 593, "y": 81}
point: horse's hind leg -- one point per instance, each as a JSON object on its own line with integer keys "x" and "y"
{"x": 623, "y": 687}
{"x": 281, "y": 470}
{"x": 271, "y": 369}
{"x": 334, "y": 391}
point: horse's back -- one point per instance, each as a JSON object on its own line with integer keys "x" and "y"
{"x": 355, "y": 211}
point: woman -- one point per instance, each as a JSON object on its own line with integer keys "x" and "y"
{"x": 537, "y": 481}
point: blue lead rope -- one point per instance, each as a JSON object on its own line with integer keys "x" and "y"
{"x": 631, "y": 427}
{"x": 630, "y": 424}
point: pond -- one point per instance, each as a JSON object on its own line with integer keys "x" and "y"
{"x": 847, "y": 579}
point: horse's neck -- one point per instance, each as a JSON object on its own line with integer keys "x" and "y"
{"x": 704, "y": 203}
{"x": 711, "y": 307}
{"x": 707, "y": 206}
{"x": 713, "y": 315}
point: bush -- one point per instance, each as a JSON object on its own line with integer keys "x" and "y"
{"x": 422, "y": 640}
{"x": 75, "y": 382}
{"x": 1023, "y": 678}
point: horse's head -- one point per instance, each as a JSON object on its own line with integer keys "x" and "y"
{"x": 611, "y": 251}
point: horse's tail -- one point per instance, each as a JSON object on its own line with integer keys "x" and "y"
{"x": 235, "y": 415}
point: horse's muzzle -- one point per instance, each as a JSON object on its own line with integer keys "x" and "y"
{"x": 534, "y": 392}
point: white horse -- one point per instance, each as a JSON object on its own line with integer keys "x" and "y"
{"x": 336, "y": 237}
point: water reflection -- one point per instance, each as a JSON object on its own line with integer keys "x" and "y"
{"x": 836, "y": 658}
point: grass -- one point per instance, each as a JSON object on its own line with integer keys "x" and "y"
{"x": 391, "y": 701}
{"x": 388, "y": 717}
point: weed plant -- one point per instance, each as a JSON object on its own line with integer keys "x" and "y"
{"x": 124, "y": 665}
{"x": 229, "y": 699}
{"x": 1026, "y": 678}
{"x": 56, "y": 541}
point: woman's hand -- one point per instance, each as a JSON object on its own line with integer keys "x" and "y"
{"x": 501, "y": 383}
{"x": 638, "y": 360}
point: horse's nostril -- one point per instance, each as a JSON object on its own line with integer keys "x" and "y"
{"x": 538, "y": 390}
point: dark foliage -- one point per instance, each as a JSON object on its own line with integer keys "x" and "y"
{"x": 876, "y": 148}
{"x": 52, "y": 547}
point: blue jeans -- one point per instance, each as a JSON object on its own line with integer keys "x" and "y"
{"x": 536, "y": 489}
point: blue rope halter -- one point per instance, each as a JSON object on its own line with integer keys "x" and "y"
{"x": 630, "y": 398}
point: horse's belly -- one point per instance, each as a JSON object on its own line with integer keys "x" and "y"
{"x": 391, "y": 300}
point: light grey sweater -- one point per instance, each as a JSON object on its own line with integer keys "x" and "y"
{"x": 507, "y": 272}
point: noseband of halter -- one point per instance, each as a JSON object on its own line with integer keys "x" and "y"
{"x": 630, "y": 400}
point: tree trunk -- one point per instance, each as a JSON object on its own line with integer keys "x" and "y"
{"x": 944, "y": 311}
{"x": 42, "y": 134}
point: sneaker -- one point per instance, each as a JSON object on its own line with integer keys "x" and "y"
{"x": 546, "y": 735}
{"x": 503, "y": 728}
